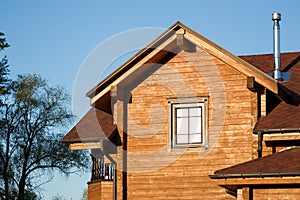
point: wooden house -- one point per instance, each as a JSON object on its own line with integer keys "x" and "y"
{"x": 186, "y": 119}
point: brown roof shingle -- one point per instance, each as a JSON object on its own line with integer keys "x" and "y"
{"x": 287, "y": 114}
{"x": 284, "y": 163}
{"x": 95, "y": 125}
{"x": 290, "y": 62}
{"x": 283, "y": 117}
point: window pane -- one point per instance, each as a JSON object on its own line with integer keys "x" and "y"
{"x": 195, "y": 125}
{"x": 187, "y": 123}
{"x": 182, "y": 125}
{"x": 196, "y": 138}
{"x": 182, "y": 112}
{"x": 195, "y": 112}
{"x": 182, "y": 139}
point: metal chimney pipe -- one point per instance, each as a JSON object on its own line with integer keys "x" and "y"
{"x": 276, "y": 17}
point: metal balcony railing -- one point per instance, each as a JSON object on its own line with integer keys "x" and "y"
{"x": 102, "y": 170}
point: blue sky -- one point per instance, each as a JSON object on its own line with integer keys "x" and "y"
{"x": 54, "y": 38}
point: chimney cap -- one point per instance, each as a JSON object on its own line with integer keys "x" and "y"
{"x": 276, "y": 16}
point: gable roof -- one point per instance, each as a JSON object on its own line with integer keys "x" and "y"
{"x": 256, "y": 65}
{"x": 280, "y": 164}
{"x": 287, "y": 114}
{"x": 166, "y": 39}
{"x": 94, "y": 126}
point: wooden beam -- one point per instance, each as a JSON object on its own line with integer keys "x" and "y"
{"x": 132, "y": 69}
{"x": 281, "y": 136}
{"x": 259, "y": 181}
{"x": 180, "y": 40}
{"x": 81, "y": 146}
{"x": 244, "y": 193}
{"x": 251, "y": 84}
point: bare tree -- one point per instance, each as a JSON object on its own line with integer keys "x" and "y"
{"x": 4, "y": 70}
{"x": 34, "y": 117}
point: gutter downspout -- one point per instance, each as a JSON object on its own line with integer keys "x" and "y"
{"x": 115, "y": 183}
{"x": 260, "y": 139}
{"x": 260, "y": 136}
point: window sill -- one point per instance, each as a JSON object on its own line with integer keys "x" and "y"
{"x": 190, "y": 148}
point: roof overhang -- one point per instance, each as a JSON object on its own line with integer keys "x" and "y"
{"x": 161, "y": 43}
{"x": 255, "y": 175}
{"x": 132, "y": 64}
{"x": 278, "y": 130}
{"x": 95, "y": 127}
{"x": 278, "y": 169}
{"x": 259, "y": 182}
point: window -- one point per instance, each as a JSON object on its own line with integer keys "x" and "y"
{"x": 188, "y": 123}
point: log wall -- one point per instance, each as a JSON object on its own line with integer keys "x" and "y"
{"x": 149, "y": 167}
{"x": 155, "y": 170}
{"x": 100, "y": 190}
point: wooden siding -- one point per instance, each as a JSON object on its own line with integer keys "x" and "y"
{"x": 155, "y": 171}
{"x": 276, "y": 194}
{"x": 148, "y": 166}
{"x": 100, "y": 190}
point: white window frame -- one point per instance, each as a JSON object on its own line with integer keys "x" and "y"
{"x": 178, "y": 103}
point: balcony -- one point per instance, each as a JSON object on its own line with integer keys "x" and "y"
{"x": 102, "y": 170}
